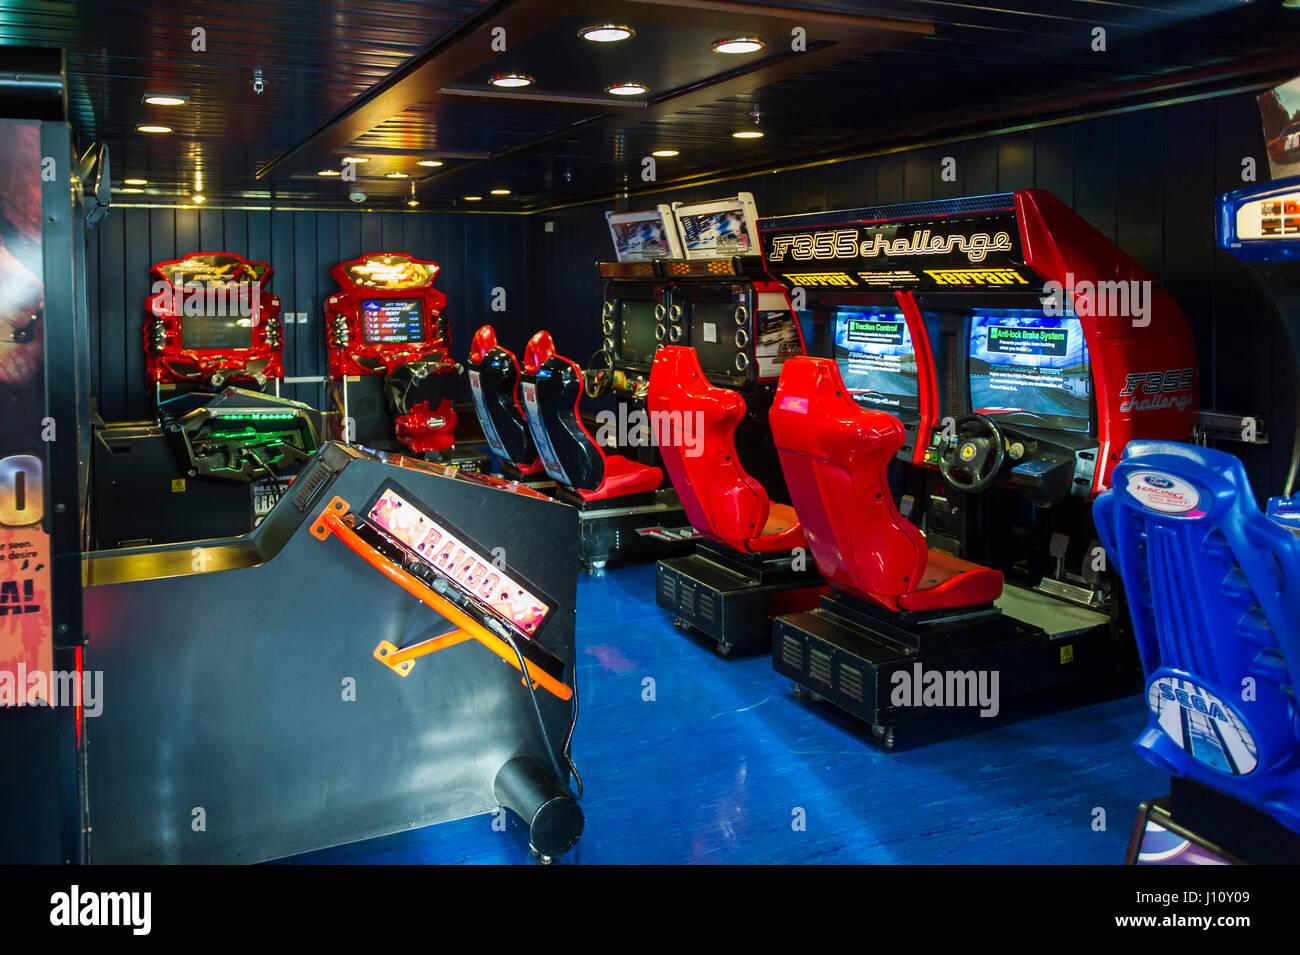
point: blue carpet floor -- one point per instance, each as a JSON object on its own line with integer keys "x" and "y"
{"x": 724, "y": 763}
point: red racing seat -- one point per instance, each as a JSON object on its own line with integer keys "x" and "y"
{"x": 696, "y": 426}
{"x": 835, "y": 454}
{"x": 552, "y": 388}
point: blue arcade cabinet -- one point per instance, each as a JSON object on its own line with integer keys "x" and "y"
{"x": 1213, "y": 585}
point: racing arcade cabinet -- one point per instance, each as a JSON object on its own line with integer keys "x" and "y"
{"x": 992, "y": 356}
{"x": 494, "y": 379}
{"x": 387, "y": 327}
{"x": 218, "y": 453}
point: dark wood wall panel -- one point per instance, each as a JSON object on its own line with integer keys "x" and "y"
{"x": 475, "y": 253}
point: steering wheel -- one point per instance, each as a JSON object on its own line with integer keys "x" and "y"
{"x": 970, "y": 462}
{"x": 596, "y": 381}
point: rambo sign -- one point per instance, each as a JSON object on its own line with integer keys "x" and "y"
{"x": 938, "y": 254}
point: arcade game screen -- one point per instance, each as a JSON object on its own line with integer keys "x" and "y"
{"x": 203, "y": 332}
{"x": 714, "y": 335}
{"x": 873, "y": 348}
{"x": 640, "y": 238}
{"x": 439, "y": 546}
{"x": 1030, "y": 369}
{"x": 392, "y": 321}
{"x": 636, "y": 320}
{"x": 724, "y": 233}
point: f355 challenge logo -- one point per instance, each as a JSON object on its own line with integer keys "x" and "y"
{"x": 871, "y": 243}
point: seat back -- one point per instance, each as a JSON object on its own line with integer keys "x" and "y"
{"x": 494, "y": 383}
{"x": 551, "y": 388}
{"x": 696, "y": 423}
{"x": 835, "y": 457}
{"x": 1214, "y": 590}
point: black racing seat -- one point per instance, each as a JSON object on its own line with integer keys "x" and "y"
{"x": 552, "y": 386}
{"x": 494, "y": 383}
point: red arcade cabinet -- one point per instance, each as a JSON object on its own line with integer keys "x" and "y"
{"x": 986, "y": 361}
{"x": 213, "y": 321}
{"x": 388, "y": 323}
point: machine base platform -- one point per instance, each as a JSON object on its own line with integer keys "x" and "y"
{"x": 1196, "y": 825}
{"x": 732, "y": 600}
{"x": 937, "y": 670}
{"x": 655, "y": 526}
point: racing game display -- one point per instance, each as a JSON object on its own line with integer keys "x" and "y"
{"x": 1030, "y": 369}
{"x": 873, "y": 348}
{"x": 392, "y": 321}
{"x": 207, "y": 332}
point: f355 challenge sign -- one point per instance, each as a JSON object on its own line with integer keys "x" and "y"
{"x": 950, "y": 253}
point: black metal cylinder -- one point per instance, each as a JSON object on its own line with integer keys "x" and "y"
{"x": 553, "y": 817}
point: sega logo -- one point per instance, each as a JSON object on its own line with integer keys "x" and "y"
{"x": 1159, "y": 482}
{"x": 1192, "y": 702}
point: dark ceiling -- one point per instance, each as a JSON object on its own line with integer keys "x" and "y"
{"x": 400, "y": 82}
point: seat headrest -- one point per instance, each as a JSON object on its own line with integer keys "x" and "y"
{"x": 813, "y": 387}
{"x": 540, "y": 349}
{"x": 485, "y": 339}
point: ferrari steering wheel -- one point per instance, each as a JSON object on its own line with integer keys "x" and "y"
{"x": 596, "y": 381}
{"x": 970, "y": 461}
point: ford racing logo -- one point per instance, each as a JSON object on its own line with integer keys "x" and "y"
{"x": 1159, "y": 482}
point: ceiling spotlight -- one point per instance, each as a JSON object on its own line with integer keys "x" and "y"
{"x": 472, "y": 198}
{"x": 396, "y": 175}
{"x": 356, "y": 159}
{"x": 500, "y": 192}
{"x": 748, "y": 134}
{"x": 512, "y": 80}
{"x": 145, "y": 128}
{"x": 412, "y": 202}
{"x": 740, "y": 44}
{"x": 198, "y": 198}
{"x": 133, "y": 191}
{"x": 328, "y": 172}
{"x": 607, "y": 33}
{"x": 135, "y": 182}
{"x": 165, "y": 99}
{"x": 665, "y": 153}
{"x": 627, "y": 89}
{"x": 431, "y": 163}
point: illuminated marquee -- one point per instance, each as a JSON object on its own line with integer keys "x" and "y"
{"x": 976, "y": 277}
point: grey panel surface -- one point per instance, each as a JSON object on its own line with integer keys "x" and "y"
{"x": 224, "y": 690}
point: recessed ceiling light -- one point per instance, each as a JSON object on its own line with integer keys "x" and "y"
{"x": 198, "y": 198}
{"x": 153, "y": 129}
{"x": 473, "y": 198}
{"x": 665, "y": 153}
{"x": 748, "y": 134}
{"x": 606, "y": 33}
{"x": 500, "y": 192}
{"x": 512, "y": 80}
{"x": 356, "y": 159}
{"x": 165, "y": 99}
{"x": 431, "y": 163}
{"x": 135, "y": 182}
{"x": 396, "y": 175}
{"x": 740, "y": 44}
{"x": 328, "y": 172}
{"x": 412, "y": 202}
{"x": 135, "y": 191}
{"x": 627, "y": 89}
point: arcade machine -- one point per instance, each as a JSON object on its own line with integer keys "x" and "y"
{"x": 624, "y": 512}
{"x": 1183, "y": 526}
{"x": 1210, "y": 581}
{"x": 299, "y": 698}
{"x": 219, "y": 452}
{"x": 389, "y": 335}
{"x": 738, "y": 328}
{"x": 988, "y": 359}
{"x": 44, "y": 341}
